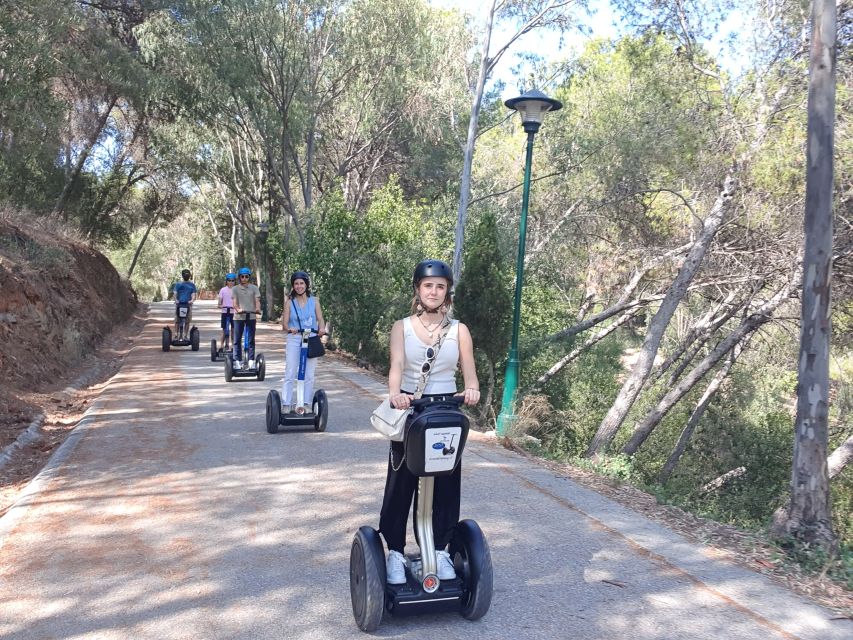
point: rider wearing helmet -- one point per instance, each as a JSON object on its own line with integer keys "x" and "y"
{"x": 226, "y": 307}
{"x": 185, "y": 293}
{"x": 247, "y": 300}
{"x": 301, "y": 312}
{"x": 426, "y": 348}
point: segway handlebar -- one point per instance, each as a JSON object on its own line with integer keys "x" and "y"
{"x": 424, "y": 402}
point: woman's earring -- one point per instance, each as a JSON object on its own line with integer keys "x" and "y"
{"x": 419, "y": 308}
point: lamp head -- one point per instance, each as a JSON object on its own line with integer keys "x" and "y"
{"x": 533, "y": 105}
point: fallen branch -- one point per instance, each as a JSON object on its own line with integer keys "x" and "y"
{"x": 716, "y": 483}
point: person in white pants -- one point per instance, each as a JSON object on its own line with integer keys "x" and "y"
{"x": 302, "y": 311}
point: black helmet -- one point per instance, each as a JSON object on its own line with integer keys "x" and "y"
{"x": 186, "y": 274}
{"x": 432, "y": 269}
{"x": 300, "y": 275}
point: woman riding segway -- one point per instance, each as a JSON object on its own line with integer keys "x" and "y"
{"x": 226, "y": 308}
{"x": 302, "y": 315}
{"x": 425, "y": 350}
{"x": 303, "y": 321}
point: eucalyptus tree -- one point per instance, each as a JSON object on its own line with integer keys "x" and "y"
{"x": 809, "y": 515}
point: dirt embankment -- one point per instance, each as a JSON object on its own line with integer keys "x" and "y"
{"x": 59, "y": 297}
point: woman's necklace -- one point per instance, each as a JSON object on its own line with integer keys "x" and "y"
{"x": 430, "y": 328}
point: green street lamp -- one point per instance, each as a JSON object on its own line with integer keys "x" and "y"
{"x": 532, "y": 106}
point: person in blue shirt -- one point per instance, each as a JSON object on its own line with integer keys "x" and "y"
{"x": 301, "y": 312}
{"x": 185, "y": 293}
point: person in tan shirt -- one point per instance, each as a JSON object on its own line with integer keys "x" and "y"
{"x": 247, "y": 305}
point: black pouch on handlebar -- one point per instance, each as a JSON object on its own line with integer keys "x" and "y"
{"x": 435, "y": 438}
{"x": 315, "y": 347}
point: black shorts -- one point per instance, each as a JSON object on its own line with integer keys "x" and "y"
{"x": 226, "y": 322}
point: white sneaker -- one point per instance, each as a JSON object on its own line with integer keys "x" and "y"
{"x": 395, "y": 568}
{"x": 236, "y": 366}
{"x": 445, "y": 566}
{"x": 251, "y": 364}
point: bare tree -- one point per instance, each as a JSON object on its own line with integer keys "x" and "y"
{"x": 533, "y": 15}
{"x": 746, "y": 327}
{"x": 635, "y": 380}
{"x": 808, "y": 516}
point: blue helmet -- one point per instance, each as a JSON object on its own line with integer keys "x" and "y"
{"x": 245, "y": 271}
{"x": 230, "y": 276}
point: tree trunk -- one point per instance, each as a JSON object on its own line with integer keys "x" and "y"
{"x": 468, "y": 152}
{"x": 698, "y": 412}
{"x": 59, "y": 207}
{"x": 762, "y": 315}
{"x": 634, "y": 383}
{"x": 141, "y": 244}
{"x": 808, "y": 517}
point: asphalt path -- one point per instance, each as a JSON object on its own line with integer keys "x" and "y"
{"x": 171, "y": 513}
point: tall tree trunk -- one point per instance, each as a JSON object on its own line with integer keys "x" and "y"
{"x": 59, "y": 207}
{"x": 698, "y": 412}
{"x": 141, "y": 244}
{"x": 808, "y": 517}
{"x": 749, "y": 324}
{"x": 468, "y": 152}
{"x": 634, "y": 383}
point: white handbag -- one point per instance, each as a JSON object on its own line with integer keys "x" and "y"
{"x": 388, "y": 421}
{"x": 391, "y": 422}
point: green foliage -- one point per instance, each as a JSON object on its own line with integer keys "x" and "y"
{"x": 362, "y": 265}
{"x": 818, "y": 560}
{"x": 483, "y": 300}
{"x": 619, "y": 467}
{"x": 580, "y": 394}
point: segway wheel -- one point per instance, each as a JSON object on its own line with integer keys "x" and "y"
{"x": 167, "y": 338}
{"x": 473, "y": 563}
{"x": 213, "y": 351}
{"x": 195, "y": 338}
{"x": 229, "y": 369}
{"x": 367, "y": 579}
{"x": 320, "y": 407}
{"x": 261, "y": 364}
{"x": 273, "y": 411}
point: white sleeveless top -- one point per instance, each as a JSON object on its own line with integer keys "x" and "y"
{"x": 442, "y": 376}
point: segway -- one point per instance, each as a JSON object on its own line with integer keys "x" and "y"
{"x": 183, "y": 339}
{"x": 319, "y": 414}
{"x": 220, "y": 353}
{"x": 257, "y": 371}
{"x": 435, "y": 438}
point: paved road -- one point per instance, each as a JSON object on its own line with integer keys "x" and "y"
{"x": 171, "y": 513}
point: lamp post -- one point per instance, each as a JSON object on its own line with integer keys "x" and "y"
{"x": 532, "y": 105}
{"x": 262, "y": 235}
